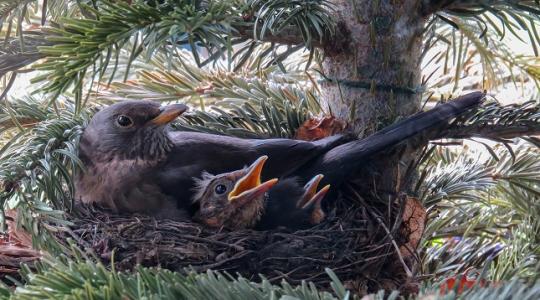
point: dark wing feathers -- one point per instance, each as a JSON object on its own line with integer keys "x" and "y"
{"x": 441, "y": 114}
{"x": 343, "y": 159}
{"x": 285, "y": 156}
{"x": 334, "y": 156}
{"x": 194, "y": 153}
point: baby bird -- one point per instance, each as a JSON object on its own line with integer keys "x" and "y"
{"x": 238, "y": 200}
{"x": 291, "y": 205}
{"x": 233, "y": 200}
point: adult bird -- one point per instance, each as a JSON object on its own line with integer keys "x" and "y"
{"x": 239, "y": 199}
{"x": 135, "y": 164}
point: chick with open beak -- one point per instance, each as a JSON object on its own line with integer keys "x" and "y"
{"x": 291, "y": 205}
{"x": 238, "y": 200}
{"x": 233, "y": 200}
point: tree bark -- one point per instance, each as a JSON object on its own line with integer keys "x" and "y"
{"x": 372, "y": 78}
{"x": 385, "y": 39}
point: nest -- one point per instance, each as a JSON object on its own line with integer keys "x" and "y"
{"x": 366, "y": 249}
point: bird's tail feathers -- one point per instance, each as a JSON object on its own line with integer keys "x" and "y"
{"x": 345, "y": 158}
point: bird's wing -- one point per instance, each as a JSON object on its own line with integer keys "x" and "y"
{"x": 285, "y": 156}
{"x": 440, "y": 115}
{"x": 194, "y": 153}
{"x": 197, "y": 152}
{"x": 344, "y": 159}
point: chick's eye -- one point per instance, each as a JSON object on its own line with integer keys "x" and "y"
{"x": 124, "y": 121}
{"x": 220, "y": 189}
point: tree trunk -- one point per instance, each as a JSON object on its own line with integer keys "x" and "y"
{"x": 371, "y": 79}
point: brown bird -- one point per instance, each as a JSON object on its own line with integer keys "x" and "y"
{"x": 233, "y": 200}
{"x": 122, "y": 148}
{"x": 237, "y": 200}
{"x": 135, "y": 164}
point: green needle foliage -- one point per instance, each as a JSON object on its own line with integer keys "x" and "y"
{"x": 253, "y": 102}
{"x": 87, "y": 44}
{"x": 80, "y": 43}
{"x": 311, "y": 17}
{"x": 468, "y": 43}
{"x": 79, "y": 279}
{"x": 38, "y": 162}
{"x": 482, "y": 207}
{"x": 82, "y": 278}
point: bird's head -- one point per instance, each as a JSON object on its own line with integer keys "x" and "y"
{"x": 130, "y": 130}
{"x": 233, "y": 200}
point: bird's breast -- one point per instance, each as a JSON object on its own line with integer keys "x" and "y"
{"x": 122, "y": 185}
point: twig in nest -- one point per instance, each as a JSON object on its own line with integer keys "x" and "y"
{"x": 396, "y": 247}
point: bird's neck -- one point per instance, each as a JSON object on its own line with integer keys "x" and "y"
{"x": 153, "y": 145}
{"x": 249, "y": 214}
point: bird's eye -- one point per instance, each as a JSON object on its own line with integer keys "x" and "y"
{"x": 124, "y": 121}
{"x": 220, "y": 189}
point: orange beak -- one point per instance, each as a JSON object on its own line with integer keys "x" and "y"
{"x": 250, "y": 186}
{"x": 169, "y": 113}
{"x": 310, "y": 189}
{"x": 317, "y": 198}
{"x": 312, "y": 199}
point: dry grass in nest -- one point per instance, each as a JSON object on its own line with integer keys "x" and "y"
{"x": 357, "y": 242}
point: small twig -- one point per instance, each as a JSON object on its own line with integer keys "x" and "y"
{"x": 405, "y": 267}
{"x": 407, "y": 270}
{"x": 79, "y": 239}
{"x": 8, "y": 86}
{"x": 209, "y": 241}
{"x": 286, "y": 275}
{"x": 221, "y": 262}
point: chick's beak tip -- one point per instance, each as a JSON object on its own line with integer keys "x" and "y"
{"x": 251, "y": 180}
